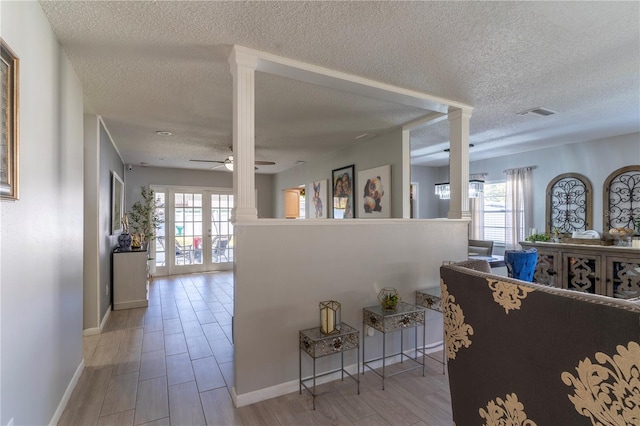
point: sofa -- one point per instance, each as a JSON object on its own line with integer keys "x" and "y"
{"x": 525, "y": 354}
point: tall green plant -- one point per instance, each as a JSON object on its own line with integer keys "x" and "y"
{"x": 144, "y": 217}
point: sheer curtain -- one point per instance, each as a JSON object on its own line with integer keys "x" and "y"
{"x": 476, "y": 206}
{"x": 519, "y": 206}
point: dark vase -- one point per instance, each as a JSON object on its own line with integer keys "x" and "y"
{"x": 124, "y": 242}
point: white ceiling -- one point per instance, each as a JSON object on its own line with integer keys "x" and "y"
{"x": 148, "y": 66}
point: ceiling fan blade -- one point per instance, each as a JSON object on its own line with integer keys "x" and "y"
{"x": 265, "y": 163}
{"x": 208, "y": 161}
{"x": 217, "y": 167}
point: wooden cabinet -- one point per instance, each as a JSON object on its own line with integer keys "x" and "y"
{"x": 606, "y": 270}
{"x": 129, "y": 279}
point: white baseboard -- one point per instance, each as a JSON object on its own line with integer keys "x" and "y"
{"x": 105, "y": 318}
{"x": 67, "y": 394}
{"x": 97, "y": 330}
{"x": 91, "y": 331}
{"x": 294, "y": 385}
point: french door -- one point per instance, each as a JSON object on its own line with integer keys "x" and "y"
{"x": 197, "y": 235}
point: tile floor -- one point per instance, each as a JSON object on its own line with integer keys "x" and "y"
{"x": 172, "y": 364}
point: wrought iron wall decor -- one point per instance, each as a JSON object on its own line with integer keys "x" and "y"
{"x": 569, "y": 204}
{"x": 622, "y": 198}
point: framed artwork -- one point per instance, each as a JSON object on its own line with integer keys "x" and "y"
{"x": 317, "y": 196}
{"x": 374, "y": 193}
{"x": 117, "y": 203}
{"x": 9, "y": 124}
{"x": 343, "y": 201}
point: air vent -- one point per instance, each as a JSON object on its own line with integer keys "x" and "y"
{"x": 538, "y": 111}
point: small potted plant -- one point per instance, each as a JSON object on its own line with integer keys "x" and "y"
{"x": 389, "y": 298}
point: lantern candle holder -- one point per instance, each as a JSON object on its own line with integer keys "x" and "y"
{"x": 330, "y": 317}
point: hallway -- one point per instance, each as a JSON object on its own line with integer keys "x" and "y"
{"x": 172, "y": 364}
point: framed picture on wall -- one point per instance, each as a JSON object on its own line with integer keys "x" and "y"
{"x": 342, "y": 184}
{"x": 374, "y": 193}
{"x": 317, "y": 196}
{"x": 9, "y": 124}
{"x": 117, "y": 203}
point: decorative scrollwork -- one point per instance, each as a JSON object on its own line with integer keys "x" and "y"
{"x": 569, "y": 203}
{"x": 622, "y": 198}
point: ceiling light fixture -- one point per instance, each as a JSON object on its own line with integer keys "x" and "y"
{"x": 443, "y": 190}
{"x": 163, "y": 133}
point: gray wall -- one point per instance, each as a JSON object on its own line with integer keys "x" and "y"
{"x": 595, "y": 159}
{"x": 278, "y": 291}
{"x": 426, "y": 177}
{"x": 41, "y": 234}
{"x": 109, "y": 161}
{"x": 141, "y": 176}
{"x": 379, "y": 151}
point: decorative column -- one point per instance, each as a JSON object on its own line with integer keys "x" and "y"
{"x": 243, "y": 67}
{"x": 459, "y": 163}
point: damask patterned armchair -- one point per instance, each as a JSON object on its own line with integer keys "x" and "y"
{"x": 525, "y": 354}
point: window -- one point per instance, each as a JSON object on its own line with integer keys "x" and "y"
{"x": 494, "y": 211}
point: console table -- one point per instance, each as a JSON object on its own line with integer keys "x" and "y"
{"x": 431, "y": 298}
{"x": 129, "y": 279}
{"x": 404, "y": 316}
{"x": 317, "y": 345}
{"x": 606, "y": 270}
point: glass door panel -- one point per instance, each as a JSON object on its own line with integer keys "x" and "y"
{"x": 187, "y": 221}
{"x": 160, "y": 253}
{"x": 221, "y": 228}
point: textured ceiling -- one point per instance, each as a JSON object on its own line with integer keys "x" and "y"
{"x": 148, "y": 66}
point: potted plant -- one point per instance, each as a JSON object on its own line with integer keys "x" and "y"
{"x": 144, "y": 218}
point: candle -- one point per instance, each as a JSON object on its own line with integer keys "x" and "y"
{"x": 327, "y": 320}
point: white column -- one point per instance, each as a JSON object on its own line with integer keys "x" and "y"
{"x": 406, "y": 174}
{"x": 243, "y": 67}
{"x": 459, "y": 163}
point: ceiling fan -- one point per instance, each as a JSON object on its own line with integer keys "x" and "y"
{"x": 228, "y": 163}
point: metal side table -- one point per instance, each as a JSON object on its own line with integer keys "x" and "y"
{"x": 405, "y": 316}
{"x": 431, "y": 298}
{"x": 317, "y": 345}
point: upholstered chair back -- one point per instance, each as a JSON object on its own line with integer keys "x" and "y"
{"x": 526, "y": 354}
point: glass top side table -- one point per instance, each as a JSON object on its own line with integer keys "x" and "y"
{"x": 405, "y": 316}
{"x": 431, "y": 298}
{"x": 317, "y": 345}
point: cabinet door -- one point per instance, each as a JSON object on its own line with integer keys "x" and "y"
{"x": 548, "y": 269}
{"x": 582, "y": 272}
{"x": 623, "y": 277}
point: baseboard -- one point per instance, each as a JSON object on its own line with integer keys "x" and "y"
{"x": 91, "y": 331}
{"x": 105, "y": 318}
{"x": 294, "y": 385}
{"x": 131, "y": 304}
{"x": 67, "y": 394}
{"x": 97, "y": 330}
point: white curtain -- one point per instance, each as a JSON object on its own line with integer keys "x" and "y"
{"x": 476, "y": 206}
{"x": 519, "y": 206}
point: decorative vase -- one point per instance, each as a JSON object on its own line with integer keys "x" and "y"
{"x": 124, "y": 241}
{"x": 389, "y": 298}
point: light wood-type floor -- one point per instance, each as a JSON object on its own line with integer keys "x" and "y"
{"x": 172, "y": 364}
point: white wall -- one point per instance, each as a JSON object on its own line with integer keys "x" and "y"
{"x": 41, "y": 235}
{"x": 379, "y": 151}
{"x": 285, "y": 268}
{"x": 141, "y": 176}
